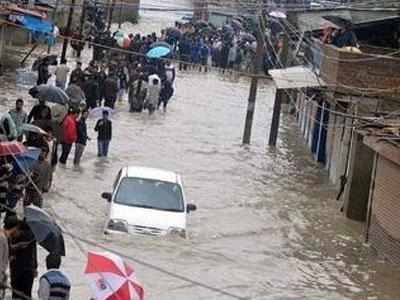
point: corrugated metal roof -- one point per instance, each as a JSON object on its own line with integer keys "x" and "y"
{"x": 312, "y": 20}
{"x": 295, "y": 77}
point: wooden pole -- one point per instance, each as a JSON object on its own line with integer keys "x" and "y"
{"x": 280, "y": 97}
{"x": 67, "y": 33}
{"x": 254, "y": 85}
{"x": 2, "y": 43}
{"x": 276, "y": 115}
{"x": 110, "y": 14}
{"x": 82, "y": 22}
{"x": 120, "y": 16}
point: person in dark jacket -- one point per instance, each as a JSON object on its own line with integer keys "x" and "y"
{"x": 37, "y": 112}
{"x": 104, "y": 129}
{"x": 101, "y": 78}
{"x": 82, "y": 138}
{"x": 23, "y": 262}
{"x": 77, "y": 75}
{"x": 43, "y": 73}
{"x": 54, "y": 284}
{"x": 110, "y": 90}
{"x": 92, "y": 91}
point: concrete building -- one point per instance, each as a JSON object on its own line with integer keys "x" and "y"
{"x": 342, "y": 84}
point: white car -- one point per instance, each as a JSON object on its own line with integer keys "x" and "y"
{"x": 147, "y": 201}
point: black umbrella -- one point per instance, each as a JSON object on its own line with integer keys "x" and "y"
{"x": 227, "y": 28}
{"x": 247, "y": 37}
{"x": 50, "y": 59}
{"x": 338, "y": 21}
{"x": 49, "y": 93}
{"x": 201, "y": 23}
{"x": 47, "y": 233}
{"x": 237, "y": 25}
{"x": 238, "y": 18}
{"x": 75, "y": 94}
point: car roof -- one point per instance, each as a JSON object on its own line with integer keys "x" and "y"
{"x": 151, "y": 173}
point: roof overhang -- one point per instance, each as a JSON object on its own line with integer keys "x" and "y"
{"x": 295, "y": 77}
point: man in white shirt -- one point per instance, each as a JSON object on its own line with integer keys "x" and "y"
{"x": 54, "y": 284}
{"x": 153, "y": 93}
{"x": 62, "y": 75}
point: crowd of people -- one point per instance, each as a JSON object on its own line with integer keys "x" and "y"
{"x": 110, "y": 76}
{"x": 18, "y": 246}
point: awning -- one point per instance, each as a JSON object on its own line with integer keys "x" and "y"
{"x": 36, "y": 24}
{"x": 295, "y": 77}
{"x": 42, "y": 30}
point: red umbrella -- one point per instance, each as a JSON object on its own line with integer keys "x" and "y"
{"x": 11, "y": 148}
{"x": 111, "y": 278}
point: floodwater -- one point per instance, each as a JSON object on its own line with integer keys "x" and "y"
{"x": 267, "y": 224}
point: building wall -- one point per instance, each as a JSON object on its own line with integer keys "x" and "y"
{"x": 356, "y": 194}
{"x": 384, "y": 229}
{"x": 127, "y": 13}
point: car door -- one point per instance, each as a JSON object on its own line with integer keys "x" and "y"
{"x": 115, "y": 186}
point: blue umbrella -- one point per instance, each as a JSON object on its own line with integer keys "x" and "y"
{"x": 24, "y": 162}
{"x": 158, "y": 52}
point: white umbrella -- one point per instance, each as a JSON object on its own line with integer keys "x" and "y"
{"x": 277, "y": 14}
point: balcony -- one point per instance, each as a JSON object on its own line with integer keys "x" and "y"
{"x": 373, "y": 72}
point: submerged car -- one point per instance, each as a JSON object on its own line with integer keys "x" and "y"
{"x": 147, "y": 201}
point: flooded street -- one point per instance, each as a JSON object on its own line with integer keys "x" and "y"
{"x": 267, "y": 224}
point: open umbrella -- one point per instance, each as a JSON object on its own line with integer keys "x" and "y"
{"x": 58, "y": 112}
{"x": 227, "y": 28}
{"x": 24, "y": 162}
{"x": 238, "y": 18}
{"x": 50, "y": 59}
{"x": 236, "y": 25}
{"x": 111, "y": 278}
{"x": 158, "y": 52}
{"x": 277, "y": 14}
{"x": 11, "y": 148}
{"x": 33, "y": 128}
{"x": 338, "y": 21}
{"x": 98, "y": 112}
{"x": 75, "y": 94}
{"x": 47, "y": 233}
{"x": 201, "y": 23}
{"x": 49, "y": 93}
{"x": 247, "y": 37}
{"x": 122, "y": 39}
{"x": 160, "y": 44}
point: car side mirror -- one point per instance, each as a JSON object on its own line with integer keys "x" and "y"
{"x": 190, "y": 207}
{"x": 106, "y": 196}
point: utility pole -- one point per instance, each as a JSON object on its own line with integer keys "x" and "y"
{"x": 82, "y": 22}
{"x": 53, "y": 16}
{"x": 120, "y": 16}
{"x": 280, "y": 96}
{"x": 2, "y": 43}
{"x": 254, "y": 84}
{"x": 110, "y": 14}
{"x": 68, "y": 32}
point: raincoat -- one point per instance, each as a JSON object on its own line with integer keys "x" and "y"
{"x": 69, "y": 130}
{"x": 153, "y": 91}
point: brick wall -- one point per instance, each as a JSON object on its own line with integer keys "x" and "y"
{"x": 376, "y": 72}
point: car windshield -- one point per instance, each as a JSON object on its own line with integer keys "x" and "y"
{"x": 149, "y": 193}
